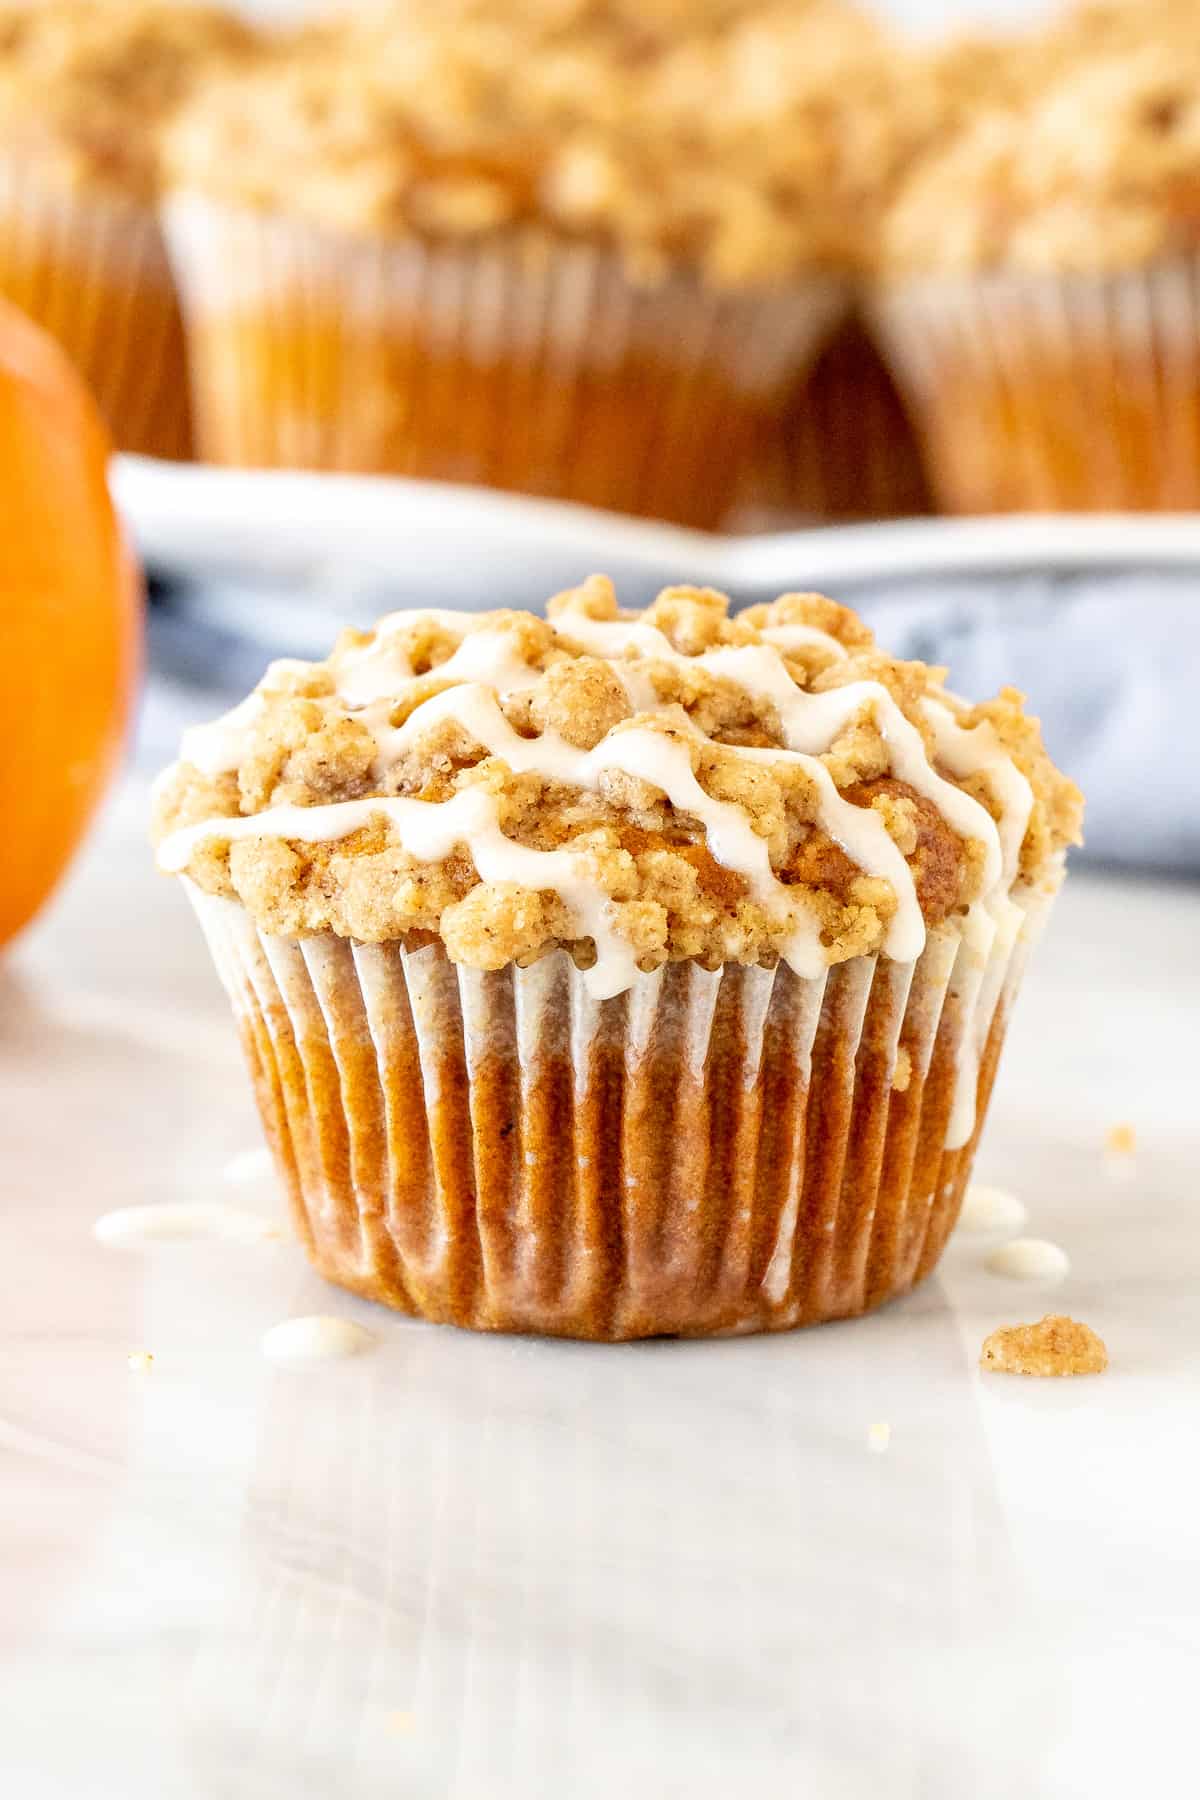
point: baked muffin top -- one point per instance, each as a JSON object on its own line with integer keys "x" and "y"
{"x": 1101, "y": 174}
{"x": 637, "y": 787}
{"x": 710, "y": 138}
{"x": 87, "y": 85}
{"x": 1083, "y": 29}
{"x": 904, "y": 104}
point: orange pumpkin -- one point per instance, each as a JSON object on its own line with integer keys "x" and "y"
{"x": 70, "y": 617}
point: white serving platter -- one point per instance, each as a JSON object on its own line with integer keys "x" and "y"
{"x": 350, "y": 537}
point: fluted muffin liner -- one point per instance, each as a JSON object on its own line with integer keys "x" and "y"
{"x": 93, "y": 271}
{"x": 728, "y": 1151}
{"x": 1045, "y": 392}
{"x": 514, "y": 362}
{"x": 841, "y": 445}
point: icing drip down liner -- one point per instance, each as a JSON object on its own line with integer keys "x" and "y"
{"x": 742, "y": 1150}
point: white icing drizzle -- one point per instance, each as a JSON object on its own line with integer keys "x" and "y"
{"x": 176, "y": 1221}
{"x": 218, "y": 747}
{"x": 429, "y": 831}
{"x": 862, "y": 834}
{"x": 612, "y": 638}
{"x": 978, "y": 751}
{"x": 991, "y": 1209}
{"x": 803, "y": 637}
{"x": 475, "y": 707}
{"x": 317, "y": 1337}
{"x": 484, "y": 655}
{"x": 812, "y": 722}
{"x": 487, "y": 664}
{"x": 1029, "y": 1259}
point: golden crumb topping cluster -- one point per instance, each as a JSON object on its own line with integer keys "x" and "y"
{"x": 1055, "y": 1346}
{"x": 89, "y": 84}
{"x": 1102, "y": 172}
{"x": 709, "y": 137}
{"x": 752, "y": 141}
{"x": 699, "y": 785}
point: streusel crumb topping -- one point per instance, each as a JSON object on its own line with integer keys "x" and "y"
{"x": 1056, "y": 1346}
{"x": 86, "y": 86}
{"x": 729, "y": 140}
{"x": 1103, "y": 173}
{"x": 675, "y": 783}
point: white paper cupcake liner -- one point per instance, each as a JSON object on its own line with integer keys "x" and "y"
{"x": 740, "y": 1150}
{"x": 517, "y": 363}
{"x": 1048, "y": 393}
{"x": 93, "y": 272}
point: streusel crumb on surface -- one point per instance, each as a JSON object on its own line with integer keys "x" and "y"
{"x": 1055, "y": 1346}
{"x": 388, "y": 716}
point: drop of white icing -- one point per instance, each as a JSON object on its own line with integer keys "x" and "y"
{"x": 179, "y": 1221}
{"x": 251, "y": 1164}
{"x": 1029, "y": 1259}
{"x": 316, "y": 1337}
{"x": 989, "y": 1209}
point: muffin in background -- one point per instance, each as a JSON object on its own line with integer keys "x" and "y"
{"x": 512, "y": 252}
{"x": 619, "y": 974}
{"x": 1040, "y": 303}
{"x": 86, "y": 87}
{"x": 842, "y": 445}
{"x": 1083, "y": 29}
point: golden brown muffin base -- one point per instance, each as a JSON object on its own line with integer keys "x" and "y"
{"x": 499, "y": 1152}
{"x": 93, "y": 272}
{"x": 540, "y": 370}
{"x": 1048, "y": 394}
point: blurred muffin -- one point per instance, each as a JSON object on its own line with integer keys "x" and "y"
{"x": 1040, "y": 295}
{"x": 529, "y": 250}
{"x": 620, "y": 974}
{"x": 843, "y": 446}
{"x": 86, "y": 87}
{"x": 1088, "y": 28}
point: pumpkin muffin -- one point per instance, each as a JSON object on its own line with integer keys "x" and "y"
{"x": 555, "y": 253}
{"x": 86, "y": 87}
{"x": 842, "y": 446}
{"x": 1040, "y": 301}
{"x": 615, "y": 974}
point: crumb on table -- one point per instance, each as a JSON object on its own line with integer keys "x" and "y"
{"x": 140, "y": 1361}
{"x": 1120, "y": 1140}
{"x": 1056, "y": 1346}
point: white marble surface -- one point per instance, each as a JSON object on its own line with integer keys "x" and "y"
{"x": 467, "y": 1569}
